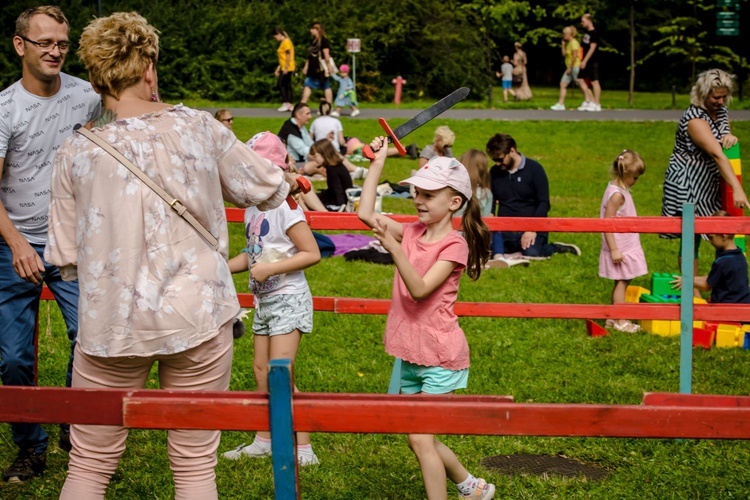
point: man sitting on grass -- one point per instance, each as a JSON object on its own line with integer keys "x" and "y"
{"x": 519, "y": 189}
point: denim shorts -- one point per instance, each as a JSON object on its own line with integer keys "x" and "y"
{"x": 507, "y": 84}
{"x": 283, "y": 313}
{"x": 317, "y": 83}
{"x": 431, "y": 379}
{"x": 570, "y": 77}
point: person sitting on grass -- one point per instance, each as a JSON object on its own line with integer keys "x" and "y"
{"x": 727, "y": 280}
{"x": 338, "y": 179}
{"x": 280, "y": 246}
{"x": 520, "y": 189}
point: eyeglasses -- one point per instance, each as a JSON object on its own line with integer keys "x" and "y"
{"x": 230, "y": 119}
{"x": 49, "y": 45}
{"x": 498, "y": 159}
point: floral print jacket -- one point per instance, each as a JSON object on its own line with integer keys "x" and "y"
{"x": 149, "y": 283}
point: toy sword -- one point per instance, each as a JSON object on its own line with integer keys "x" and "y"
{"x": 420, "y": 119}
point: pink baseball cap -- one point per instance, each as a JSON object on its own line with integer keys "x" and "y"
{"x": 344, "y": 68}
{"x": 270, "y": 147}
{"x": 441, "y": 172}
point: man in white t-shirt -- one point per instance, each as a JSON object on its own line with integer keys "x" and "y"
{"x": 37, "y": 113}
{"x": 327, "y": 127}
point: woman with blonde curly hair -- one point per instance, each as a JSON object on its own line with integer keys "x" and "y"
{"x": 698, "y": 162}
{"x": 441, "y": 145}
{"x": 154, "y": 287}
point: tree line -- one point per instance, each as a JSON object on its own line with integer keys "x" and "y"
{"x": 223, "y": 50}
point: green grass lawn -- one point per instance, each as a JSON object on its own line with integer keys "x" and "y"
{"x": 535, "y": 360}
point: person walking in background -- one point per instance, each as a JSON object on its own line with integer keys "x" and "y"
{"x": 285, "y": 69}
{"x": 318, "y": 66}
{"x": 280, "y": 246}
{"x": 589, "y": 72}
{"x": 154, "y": 288}
{"x": 506, "y": 77}
{"x": 571, "y": 52}
{"x": 422, "y": 328}
{"x": 347, "y": 95}
{"x": 37, "y": 113}
{"x": 520, "y": 68}
{"x": 621, "y": 258}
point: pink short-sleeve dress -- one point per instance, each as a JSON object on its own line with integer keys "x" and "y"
{"x": 633, "y": 260}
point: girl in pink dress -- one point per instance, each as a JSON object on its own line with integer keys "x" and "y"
{"x": 422, "y": 329}
{"x": 622, "y": 258}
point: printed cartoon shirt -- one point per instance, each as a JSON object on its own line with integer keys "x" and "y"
{"x": 267, "y": 241}
{"x": 426, "y": 332}
{"x": 149, "y": 283}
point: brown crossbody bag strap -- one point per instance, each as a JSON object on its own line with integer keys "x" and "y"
{"x": 175, "y": 204}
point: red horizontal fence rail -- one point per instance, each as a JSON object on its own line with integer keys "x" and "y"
{"x": 674, "y": 416}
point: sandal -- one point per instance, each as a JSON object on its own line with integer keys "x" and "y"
{"x": 627, "y": 327}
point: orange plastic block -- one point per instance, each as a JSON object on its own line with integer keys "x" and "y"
{"x": 633, "y": 294}
{"x": 703, "y": 338}
{"x": 729, "y": 336}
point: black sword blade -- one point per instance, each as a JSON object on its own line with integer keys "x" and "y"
{"x": 428, "y": 114}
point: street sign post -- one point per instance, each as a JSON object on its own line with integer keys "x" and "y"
{"x": 353, "y": 46}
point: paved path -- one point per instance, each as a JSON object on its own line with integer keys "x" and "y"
{"x": 625, "y": 115}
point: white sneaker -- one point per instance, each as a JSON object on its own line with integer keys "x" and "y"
{"x": 594, "y": 107}
{"x": 335, "y": 113}
{"x": 503, "y": 263}
{"x": 359, "y": 173}
{"x": 304, "y": 460}
{"x": 254, "y": 450}
{"x": 585, "y": 106}
{"x": 355, "y": 113}
{"x": 558, "y": 107}
{"x": 284, "y": 107}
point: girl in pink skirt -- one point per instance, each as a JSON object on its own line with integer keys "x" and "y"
{"x": 622, "y": 258}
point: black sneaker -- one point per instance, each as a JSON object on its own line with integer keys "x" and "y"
{"x": 26, "y": 466}
{"x": 64, "y": 442}
{"x": 412, "y": 150}
{"x": 238, "y": 328}
{"x": 567, "y": 248}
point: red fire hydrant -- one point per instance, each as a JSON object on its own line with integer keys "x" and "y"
{"x": 398, "y": 82}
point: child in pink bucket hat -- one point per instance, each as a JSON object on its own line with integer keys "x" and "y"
{"x": 347, "y": 95}
{"x": 280, "y": 245}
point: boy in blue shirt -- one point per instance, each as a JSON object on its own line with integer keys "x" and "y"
{"x": 727, "y": 279}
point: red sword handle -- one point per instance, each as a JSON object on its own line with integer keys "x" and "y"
{"x": 367, "y": 150}
{"x": 304, "y": 186}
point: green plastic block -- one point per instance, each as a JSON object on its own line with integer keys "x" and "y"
{"x": 659, "y": 299}
{"x": 660, "y": 284}
{"x": 740, "y": 242}
{"x": 733, "y": 153}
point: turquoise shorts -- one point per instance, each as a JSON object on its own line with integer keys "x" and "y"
{"x": 431, "y": 379}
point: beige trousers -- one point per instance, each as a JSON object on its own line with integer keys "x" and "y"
{"x": 192, "y": 453}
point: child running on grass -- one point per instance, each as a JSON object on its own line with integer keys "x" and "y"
{"x": 622, "y": 258}
{"x": 279, "y": 246}
{"x": 422, "y": 328}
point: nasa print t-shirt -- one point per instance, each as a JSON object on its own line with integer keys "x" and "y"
{"x": 32, "y": 128}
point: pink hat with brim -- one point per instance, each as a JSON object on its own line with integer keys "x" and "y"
{"x": 344, "y": 68}
{"x": 442, "y": 172}
{"x": 270, "y": 147}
